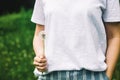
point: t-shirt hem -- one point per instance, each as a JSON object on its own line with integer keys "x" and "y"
{"x": 38, "y": 73}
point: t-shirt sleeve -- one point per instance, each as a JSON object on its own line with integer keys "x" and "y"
{"x": 38, "y": 13}
{"x": 112, "y": 11}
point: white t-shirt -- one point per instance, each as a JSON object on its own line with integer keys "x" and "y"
{"x": 75, "y": 32}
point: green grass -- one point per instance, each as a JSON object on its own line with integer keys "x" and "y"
{"x": 16, "y": 53}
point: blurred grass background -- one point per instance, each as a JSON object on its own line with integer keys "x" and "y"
{"x": 16, "y": 52}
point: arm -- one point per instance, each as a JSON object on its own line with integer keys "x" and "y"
{"x": 39, "y": 60}
{"x": 37, "y": 42}
{"x": 113, "y": 49}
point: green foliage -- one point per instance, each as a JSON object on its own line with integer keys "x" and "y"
{"x": 116, "y": 74}
{"x": 16, "y": 53}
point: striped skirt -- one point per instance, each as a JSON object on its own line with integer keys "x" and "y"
{"x": 75, "y": 75}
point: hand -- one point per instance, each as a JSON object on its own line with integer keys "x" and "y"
{"x": 40, "y": 63}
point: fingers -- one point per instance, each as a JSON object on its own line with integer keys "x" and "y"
{"x": 40, "y": 60}
{"x": 40, "y": 63}
{"x": 42, "y": 69}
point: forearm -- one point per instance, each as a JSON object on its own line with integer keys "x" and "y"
{"x": 38, "y": 46}
{"x": 37, "y": 41}
{"x": 112, "y": 55}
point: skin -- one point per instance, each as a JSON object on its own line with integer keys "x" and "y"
{"x": 40, "y": 61}
{"x": 112, "y": 52}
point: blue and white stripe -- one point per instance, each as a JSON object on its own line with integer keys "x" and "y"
{"x": 74, "y": 75}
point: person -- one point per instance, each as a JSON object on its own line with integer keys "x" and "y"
{"x": 82, "y": 39}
